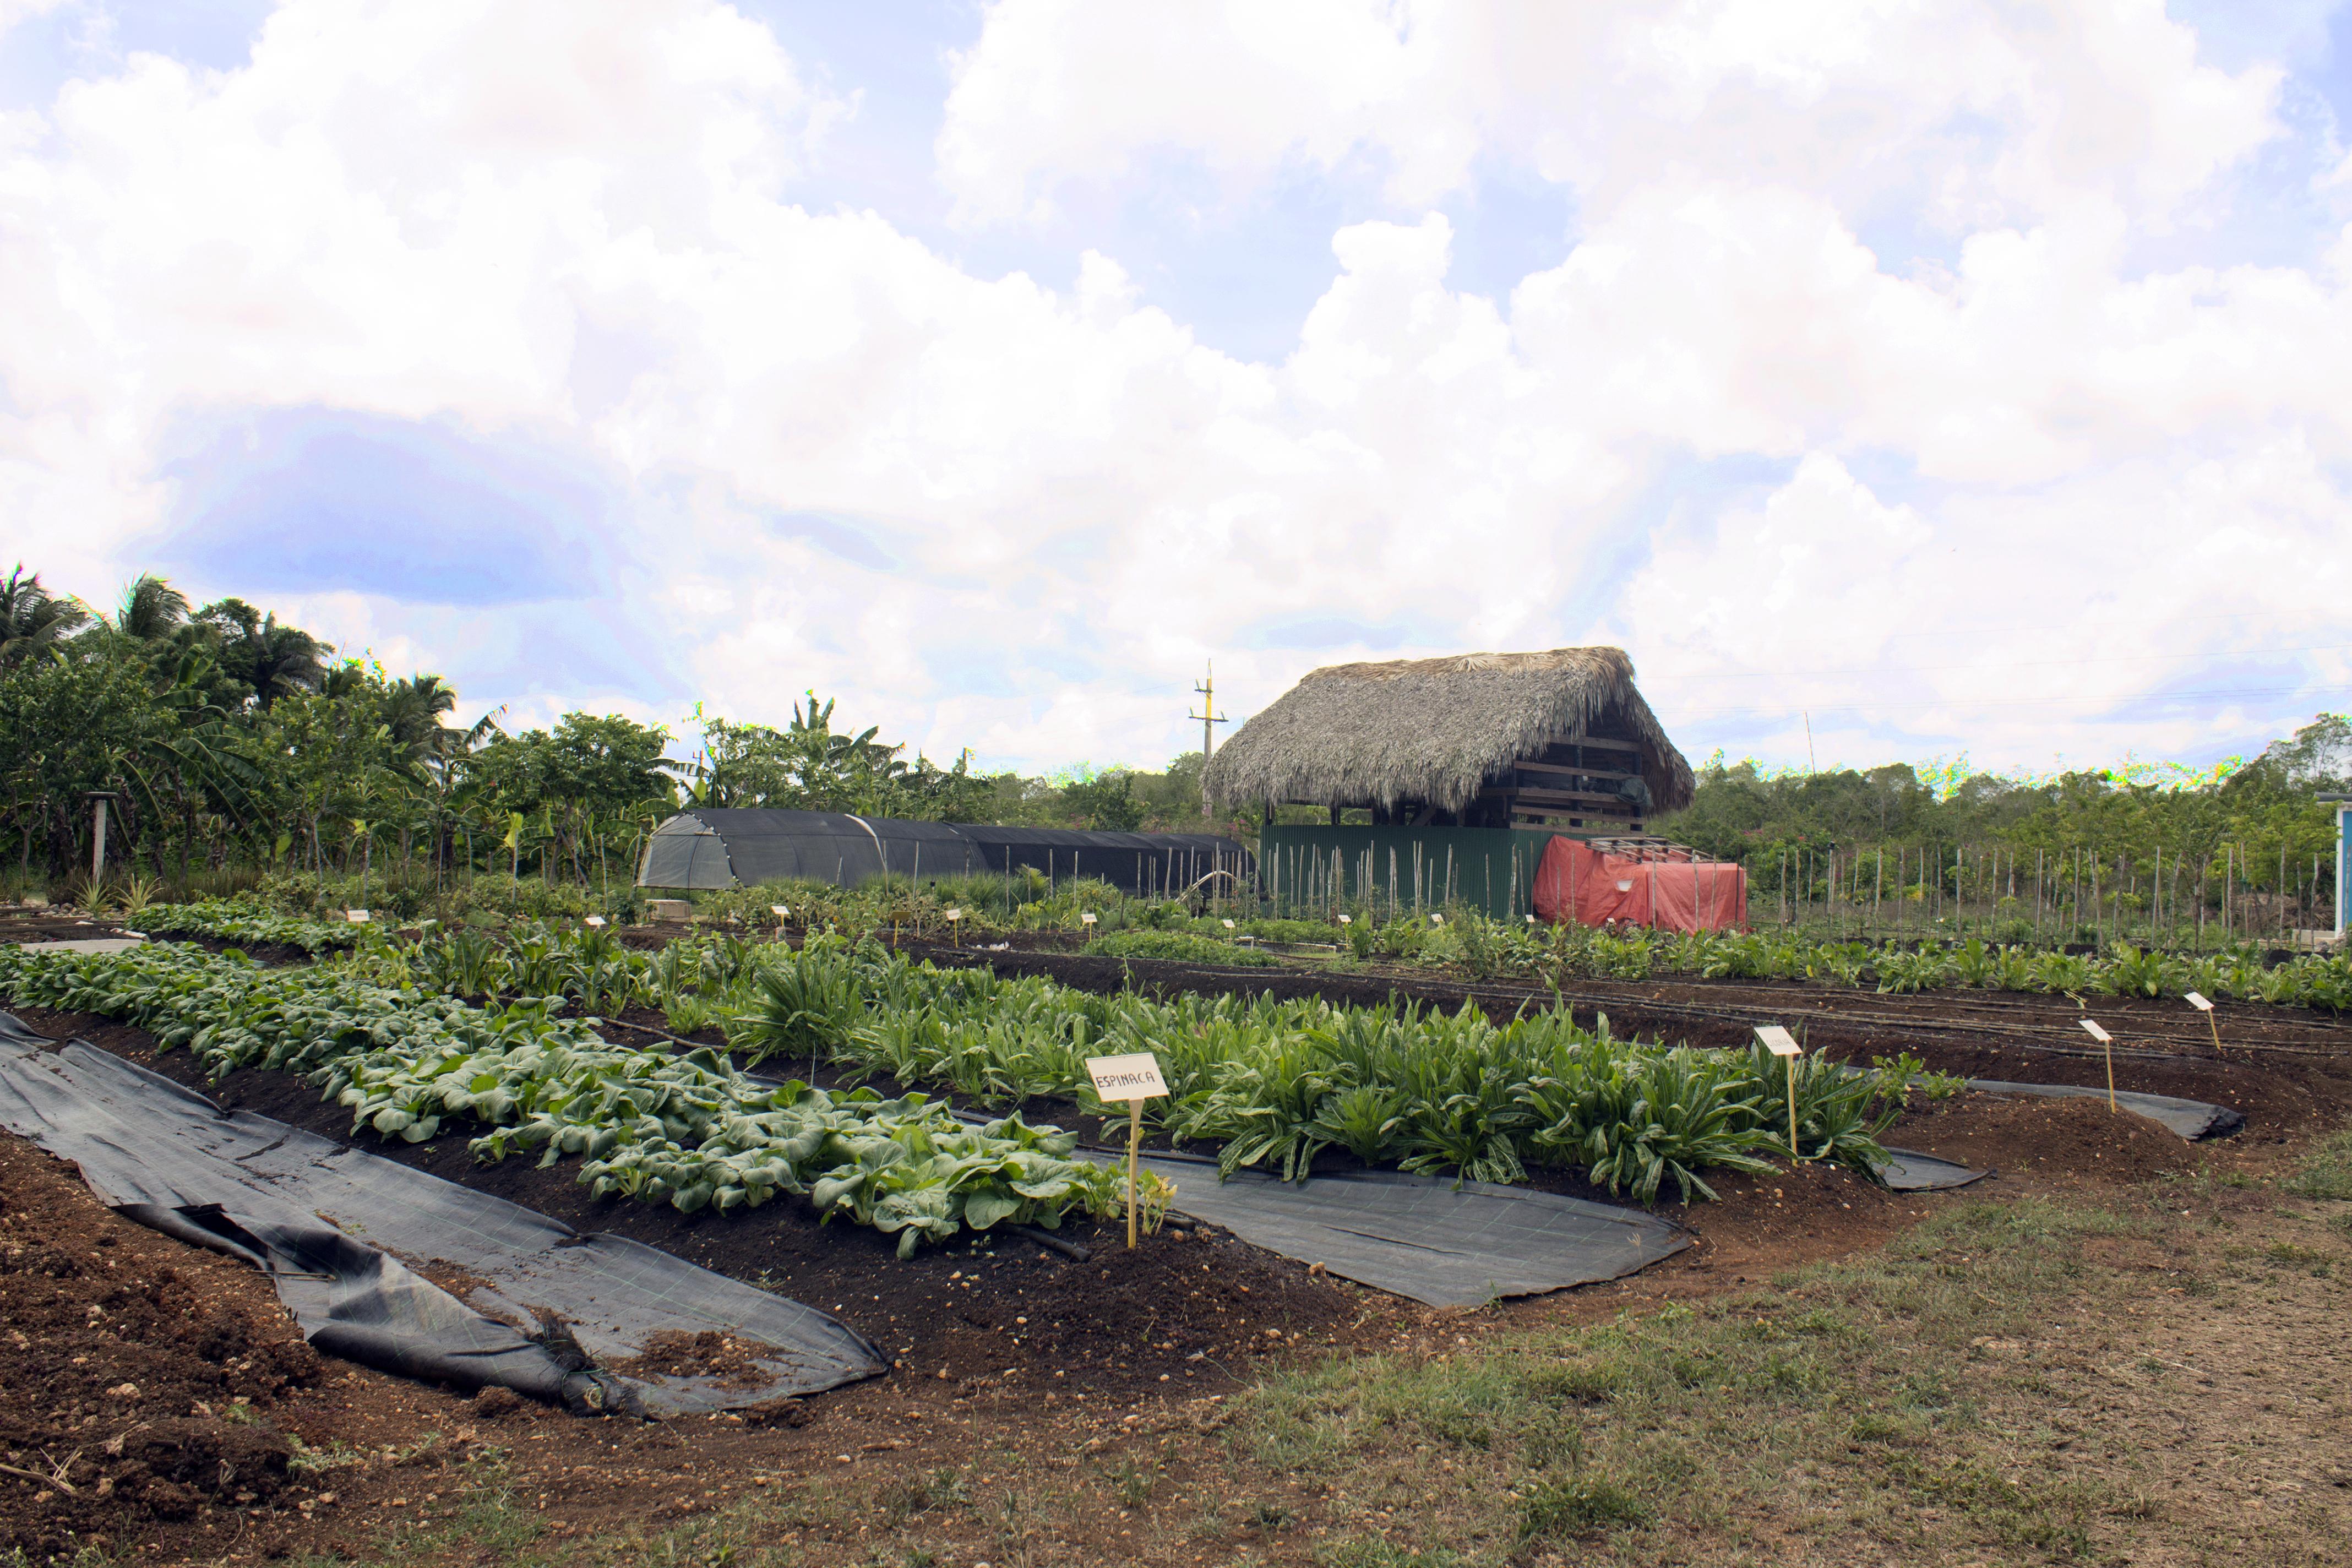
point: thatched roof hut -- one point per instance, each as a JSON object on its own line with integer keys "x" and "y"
{"x": 1500, "y": 740}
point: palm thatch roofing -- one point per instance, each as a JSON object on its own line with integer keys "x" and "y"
{"x": 1434, "y": 729}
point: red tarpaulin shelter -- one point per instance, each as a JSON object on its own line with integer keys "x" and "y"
{"x": 1576, "y": 882}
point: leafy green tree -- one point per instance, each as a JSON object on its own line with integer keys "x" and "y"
{"x": 1106, "y": 801}
{"x": 68, "y": 727}
{"x": 809, "y": 768}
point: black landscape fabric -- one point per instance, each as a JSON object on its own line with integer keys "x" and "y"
{"x": 548, "y": 1310}
{"x": 2192, "y": 1119}
{"x": 1908, "y": 1171}
{"x": 1449, "y": 1244}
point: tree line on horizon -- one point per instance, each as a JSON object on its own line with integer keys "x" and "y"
{"x": 230, "y": 738}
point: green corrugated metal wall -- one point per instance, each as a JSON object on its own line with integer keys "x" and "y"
{"x": 1493, "y": 869}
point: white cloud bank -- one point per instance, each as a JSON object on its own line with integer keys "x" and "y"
{"x": 987, "y": 511}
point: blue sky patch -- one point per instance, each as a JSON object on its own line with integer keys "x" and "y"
{"x": 294, "y": 500}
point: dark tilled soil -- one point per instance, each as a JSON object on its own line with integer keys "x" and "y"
{"x": 240, "y": 1445}
{"x": 135, "y": 1373}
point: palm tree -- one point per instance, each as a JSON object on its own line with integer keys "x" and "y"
{"x": 151, "y": 609}
{"x": 271, "y": 660}
{"x": 32, "y": 618}
{"x": 413, "y": 708}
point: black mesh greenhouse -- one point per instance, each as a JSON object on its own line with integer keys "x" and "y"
{"x": 734, "y": 848}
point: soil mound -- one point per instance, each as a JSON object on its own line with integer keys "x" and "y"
{"x": 1165, "y": 1307}
{"x": 2077, "y": 1140}
{"x": 125, "y": 1394}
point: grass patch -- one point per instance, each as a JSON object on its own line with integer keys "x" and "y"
{"x": 1867, "y": 1377}
{"x": 2327, "y": 1171}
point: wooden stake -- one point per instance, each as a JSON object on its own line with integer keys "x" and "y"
{"x": 1134, "y": 1145}
{"x": 2107, "y": 1048}
{"x": 1794, "y": 1153}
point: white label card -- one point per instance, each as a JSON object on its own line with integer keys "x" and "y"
{"x": 2090, "y": 1027}
{"x": 1132, "y": 1077}
{"x": 1086, "y": 919}
{"x": 1779, "y": 1041}
{"x": 356, "y": 917}
{"x": 781, "y": 913}
{"x": 594, "y": 920}
{"x": 2197, "y": 1001}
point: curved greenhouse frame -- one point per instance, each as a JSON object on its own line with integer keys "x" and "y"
{"x": 711, "y": 848}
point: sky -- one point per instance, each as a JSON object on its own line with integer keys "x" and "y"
{"x": 1891, "y": 379}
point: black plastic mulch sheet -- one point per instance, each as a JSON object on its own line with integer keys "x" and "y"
{"x": 2192, "y": 1119}
{"x": 548, "y": 1308}
{"x": 1433, "y": 1240}
{"x": 1909, "y": 1171}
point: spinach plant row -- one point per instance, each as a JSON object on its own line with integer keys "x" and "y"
{"x": 689, "y": 1130}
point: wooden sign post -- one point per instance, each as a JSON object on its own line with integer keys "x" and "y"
{"x": 2206, "y": 1008}
{"x": 2107, "y": 1044}
{"x": 1134, "y": 1077}
{"x": 1780, "y": 1043}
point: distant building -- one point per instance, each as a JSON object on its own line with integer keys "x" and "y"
{"x": 1467, "y": 765}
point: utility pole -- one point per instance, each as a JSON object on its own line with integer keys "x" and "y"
{"x": 98, "y": 799}
{"x": 1208, "y": 716}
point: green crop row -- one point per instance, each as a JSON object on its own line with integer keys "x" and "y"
{"x": 1467, "y": 941}
{"x": 1274, "y": 1082}
{"x": 689, "y": 1130}
{"x": 1183, "y": 946}
{"x": 247, "y": 918}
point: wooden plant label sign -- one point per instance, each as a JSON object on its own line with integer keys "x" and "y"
{"x": 1779, "y": 1041}
{"x": 1132, "y": 1077}
{"x": 2090, "y": 1027}
{"x": 2197, "y": 1001}
{"x": 356, "y": 917}
{"x": 780, "y": 911}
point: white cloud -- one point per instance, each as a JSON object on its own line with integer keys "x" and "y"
{"x": 987, "y": 511}
{"x": 1970, "y": 113}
